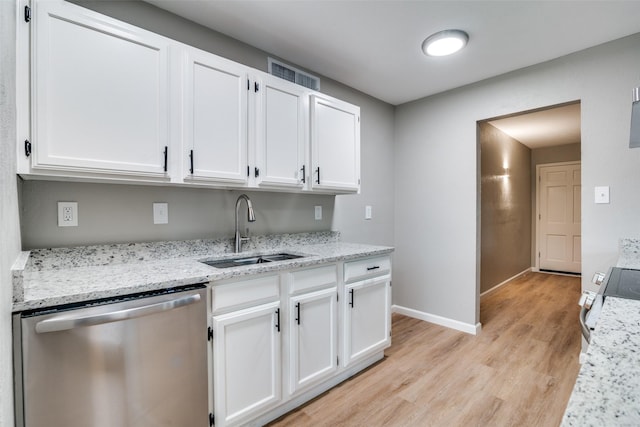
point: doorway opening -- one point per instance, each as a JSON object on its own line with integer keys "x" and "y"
{"x": 519, "y": 228}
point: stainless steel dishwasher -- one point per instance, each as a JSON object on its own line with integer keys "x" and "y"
{"x": 136, "y": 361}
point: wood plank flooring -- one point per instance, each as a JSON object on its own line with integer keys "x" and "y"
{"x": 519, "y": 371}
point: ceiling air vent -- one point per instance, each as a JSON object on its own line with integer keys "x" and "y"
{"x": 287, "y": 72}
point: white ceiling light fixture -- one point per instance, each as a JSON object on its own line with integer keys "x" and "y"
{"x": 445, "y": 42}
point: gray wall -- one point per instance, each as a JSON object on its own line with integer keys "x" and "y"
{"x": 437, "y": 173}
{"x": 540, "y": 156}
{"x": 9, "y": 223}
{"x": 111, "y": 213}
{"x": 505, "y": 207}
{"x": 116, "y": 213}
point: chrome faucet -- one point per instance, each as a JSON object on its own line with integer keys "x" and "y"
{"x": 250, "y": 217}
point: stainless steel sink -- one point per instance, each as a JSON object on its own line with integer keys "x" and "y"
{"x": 260, "y": 259}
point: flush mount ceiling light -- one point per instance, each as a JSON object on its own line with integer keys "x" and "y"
{"x": 445, "y": 42}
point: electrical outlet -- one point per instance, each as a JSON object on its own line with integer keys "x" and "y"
{"x": 318, "y": 213}
{"x": 368, "y": 214}
{"x": 67, "y": 214}
{"x": 160, "y": 213}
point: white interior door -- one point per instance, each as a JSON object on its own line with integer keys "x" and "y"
{"x": 559, "y": 228}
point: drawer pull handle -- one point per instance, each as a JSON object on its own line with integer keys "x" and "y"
{"x": 373, "y": 268}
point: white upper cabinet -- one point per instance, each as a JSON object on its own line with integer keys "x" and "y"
{"x": 335, "y": 145}
{"x": 281, "y": 133}
{"x": 99, "y": 94}
{"x": 109, "y": 101}
{"x": 215, "y": 118}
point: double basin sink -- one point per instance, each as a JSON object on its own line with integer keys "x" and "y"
{"x": 256, "y": 259}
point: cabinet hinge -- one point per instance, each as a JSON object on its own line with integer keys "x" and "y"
{"x": 212, "y": 419}
{"x": 209, "y": 333}
{"x": 27, "y": 148}
{"x": 27, "y": 14}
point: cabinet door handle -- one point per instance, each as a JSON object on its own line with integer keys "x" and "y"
{"x": 191, "y": 162}
{"x": 351, "y": 297}
{"x": 166, "y": 155}
{"x": 304, "y": 178}
{"x": 373, "y": 268}
{"x": 256, "y": 172}
{"x": 318, "y": 172}
{"x": 278, "y": 319}
{"x": 298, "y": 313}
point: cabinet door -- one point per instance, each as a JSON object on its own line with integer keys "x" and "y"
{"x": 367, "y": 318}
{"x": 246, "y": 363}
{"x": 215, "y": 121}
{"x": 335, "y": 145}
{"x": 281, "y": 133}
{"x": 313, "y": 342}
{"x": 99, "y": 93}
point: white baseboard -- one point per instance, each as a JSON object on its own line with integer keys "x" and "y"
{"x": 506, "y": 281}
{"x": 438, "y": 320}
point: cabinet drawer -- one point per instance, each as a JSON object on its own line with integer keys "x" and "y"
{"x": 369, "y": 267}
{"x": 313, "y": 278}
{"x": 240, "y": 293}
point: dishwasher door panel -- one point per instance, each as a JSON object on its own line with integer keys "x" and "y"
{"x": 147, "y": 370}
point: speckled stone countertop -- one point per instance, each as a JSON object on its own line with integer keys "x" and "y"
{"x": 607, "y": 390}
{"x": 49, "y": 277}
{"x": 629, "y": 255}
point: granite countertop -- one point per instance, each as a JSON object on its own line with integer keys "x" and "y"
{"x": 49, "y": 277}
{"x": 607, "y": 390}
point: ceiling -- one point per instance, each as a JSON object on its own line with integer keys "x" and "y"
{"x": 544, "y": 128}
{"x": 375, "y": 45}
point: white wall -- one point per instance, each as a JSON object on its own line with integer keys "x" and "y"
{"x": 9, "y": 224}
{"x": 115, "y": 213}
{"x": 436, "y": 172}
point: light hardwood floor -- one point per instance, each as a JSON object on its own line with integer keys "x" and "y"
{"x": 519, "y": 371}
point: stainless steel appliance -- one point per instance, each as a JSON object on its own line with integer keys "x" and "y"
{"x": 620, "y": 283}
{"x": 136, "y": 361}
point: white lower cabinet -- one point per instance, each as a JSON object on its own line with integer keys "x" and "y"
{"x": 366, "y": 308}
{"x": 247, "y": 363}
{"x": 313, "y": 345}
{"x": 367, "y": 319}
{"x": 286, "y": 329}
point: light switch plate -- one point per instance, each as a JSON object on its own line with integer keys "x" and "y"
{"x": 602, "y": 195}
{"x": 368, "y": 214}
{"x": 318, "y": 213}
{"x": 67, "y": 214}
{"x": 160, "y": 213}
